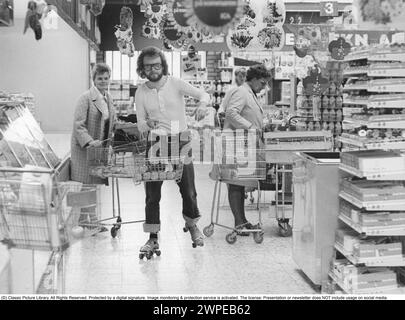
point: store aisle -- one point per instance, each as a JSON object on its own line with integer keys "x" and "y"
{"x": 101, "y": 264}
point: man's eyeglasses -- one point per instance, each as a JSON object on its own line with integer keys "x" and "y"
{"x": 264, "y": 83}
{"x": 155, "y": 66}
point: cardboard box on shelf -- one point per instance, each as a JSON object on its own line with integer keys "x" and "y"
{"x": 382, "y": 219}
{"x": 347, "y": 238}
{"x": 367, "y": 249}
{"x": 374, "y": 160}
{"x": 379, "y": 278}
{"x": 374, "y": 190}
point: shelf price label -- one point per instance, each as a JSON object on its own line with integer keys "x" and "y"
{"x": 329, "y": 9}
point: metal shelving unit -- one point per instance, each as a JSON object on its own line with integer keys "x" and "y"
{"x": 374, "y": 121}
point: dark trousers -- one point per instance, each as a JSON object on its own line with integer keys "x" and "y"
{"x": 187, "y": 190}
{"x": 236, "y": 198}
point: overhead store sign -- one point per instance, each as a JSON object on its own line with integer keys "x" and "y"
{"x": 354, "y": 37}
{"x": 329, "y": 9}
{"x": 216, "y": 16}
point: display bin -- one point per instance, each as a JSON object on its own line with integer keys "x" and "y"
{"x": 315, "y": 212}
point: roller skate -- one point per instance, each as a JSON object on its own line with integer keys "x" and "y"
{"x": 151, "y": 246}
{"x": 196, "y": 235}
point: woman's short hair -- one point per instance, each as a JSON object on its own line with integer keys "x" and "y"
{"x": 258, "y": 72}
{"x": 151, "y": 52}
{"x": 100, "y": 68}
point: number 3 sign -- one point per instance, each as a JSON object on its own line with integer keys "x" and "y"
{"x": 329, "y": 9}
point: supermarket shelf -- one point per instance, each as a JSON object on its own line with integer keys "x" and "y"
{"x": 362, "y": 102}
{"x": 387, "y": 70}
{"x": 366, "y": 144}
{"x": 349, "y": 87}
{"x": 389, "y": 205}
{"x": 377, "y": 124}
{"x": 382, "y": 261}
{"x": 374, "y": 231}
{"x": 381, "y": 290}
{"x": 393, "y": 175}
{"x": 352, "y": 71}
{"x": 387, "y": 55}
{"x": 357, "y": 55}
{"x": 387, "y": 85}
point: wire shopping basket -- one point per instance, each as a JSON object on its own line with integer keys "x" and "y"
{"x": 239, "y": 157}
{"x": 117, "y": 161}
{"x": 158, "y": 169}
{"x": 31, "y": 215}
{"x": 133, "y": 163}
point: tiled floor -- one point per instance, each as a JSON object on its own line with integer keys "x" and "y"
{"x": 101, "y": 264}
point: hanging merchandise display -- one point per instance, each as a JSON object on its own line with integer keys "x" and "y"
{"x": 174, "y": 38}
{"x": 96, "y": 6}
{"x": 315, "y": 83}
{"x": 32, "y": 18}
{"x": 154, "y": 13}
{"x": 177, "y": 14}
{"x": 215, "y": 16}
{"x": 377, "y": 14}
{"x": 259, "y": 28}
{"x": 339, "y": 48}
{"x": 124, "y": 32}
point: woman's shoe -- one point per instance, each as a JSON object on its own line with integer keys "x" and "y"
{"x": 244, "y": 226}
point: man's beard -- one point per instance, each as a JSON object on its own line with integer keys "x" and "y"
{"x": 155, "y": 78}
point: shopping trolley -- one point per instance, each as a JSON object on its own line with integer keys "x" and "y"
{"x": 244, "y": 166}
{"x": 280, "y": 147}
{"x": 34, "y": 216}
{"x": 131, "y": 161}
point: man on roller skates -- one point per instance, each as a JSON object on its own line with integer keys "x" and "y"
{"x": 160, "y": 105}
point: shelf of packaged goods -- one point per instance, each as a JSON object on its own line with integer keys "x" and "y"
{"x": 388, "y": 176}
{"x": 387, "y": 56}
{"x": 357, "y": 87}
{"x": 370, "y": 145}
{"x": 349, "y": 111}
{"x": 382, "y": 205}
{"x": 373, "y": 124}
{"x": 380, "y": 261}
{"x": 387, "y": 85}
{"x": 359, "y": 55}
{"x": 352, "y": 71}
{"x": 387, "y": 70}
{"x": 387, "y": 101}
{"x": 379, "y": 290}
{"x": 388, "y": 231}
{"x": 360, "y": 102}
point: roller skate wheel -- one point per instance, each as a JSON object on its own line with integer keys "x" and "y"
{"x": 185, "y": 229}
{"x": 149, "y": 255}
{"x": 258, "y": 237}
{"x": 158, "y": 253}
{"x": 208, "y": 230}
{"x": 230, "y": 238}
{"x": 141, "y": 255}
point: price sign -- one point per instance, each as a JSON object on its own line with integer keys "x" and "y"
{"x": 329, "y": 9}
